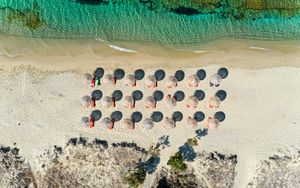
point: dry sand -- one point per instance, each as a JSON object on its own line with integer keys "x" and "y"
{"x": 40, "y": 103}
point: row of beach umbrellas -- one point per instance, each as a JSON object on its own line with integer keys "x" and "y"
{"x": 151, "y": 81}
{"x": 148, "y": 123}
{"x": 151, "y": 101}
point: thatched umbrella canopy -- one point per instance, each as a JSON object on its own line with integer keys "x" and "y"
{"x": 212, "y": 123}
{"x": 117, "y": 95}
{"x": 106, "y": 123}
{"x": 130, "y": 80}
{"x": 128, "y": 102}
{"x": 107, "y": 102}
{"x": 99, "y": 72}
{"x": 137, "y": 95}
{"x": 85, "y": 121}
{"x": 193, "y": 80}
{"x": 201, "y": 74}
{"x": 169, "y": 122}
{"x": 199, "y": 116}
{"x": 221, "y": 94}
{"x": 215, "y": 80}
{"x": 199, "y": 94}
{"x": 192, "y": 123}
{"x": 220, "y": 116}
{"x": 150, "y": 81}
{"x": 158, "y": 95}
{"x": 96, "y": 115}
{"x": 159, "y": 75}
{"x": 171, "y": 101}
{"x": 192, "y": 102}
{"x": 96, "y": 95}
{"x": 109, "y": 79}
{"x": 128, "y": 123}
{"x": 136, "y": 117}
{"x": 157, "y": 116}
{"x": 116, "y": 116}
{"x": 179, "y": 96}
{"x": 150, "y": 102}
{"x": 177, "y": 116}
{"x": 86, "y": 101}
{"x": 119, "y": 74}
{"x": 179, "y": 75}
{"x": 214, "y": 102}
{"x": 171, "y": 81}
{"x": 148, "y": 124}
{"x": 139, "y": 74}
{"x": 223, "y": 72}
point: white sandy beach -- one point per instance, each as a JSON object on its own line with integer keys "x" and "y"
{"x": 40, "y": 103}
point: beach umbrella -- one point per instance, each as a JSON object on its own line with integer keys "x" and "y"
{"x": 129, "y": 123}
{"x": 116, "y": 116}
{"x": 136, "y": 117}
{"x": 171, "y": 101}
{"x": 179, "y": 95}
{"x": 199, "y": 116}
{"x": 129, "y": 80}
{"x": 169, "y": 122}
{"x": 212, "y": 123}
{"x": 201, "y": 74}
{"x": 88, "y": 77}
{"x": 139, "y": 74}
{"x": 221, "y": 94}
{"x": 148, "y": 123}
{"x": 128, "y": 102}
{"x": 177, "y": 116}
{"x": 215, "y": 80}
{"x": 157, "y": 116}
{"x": 159, "y": 75}
{"x": 150, "y": 81}
{"x": 96, "y": 95}
{"x": 119, "y": 74}
{"x": 109, "y": 79}
{"x": 193, "y": 80}
{"x": 137, "y": 95}
{"x": 214, "y": 102}
{"x": 117, "y": 95}
{"x": 179, "y": 75}
{"x": 84, "y": 121}
{"x": 150, "y": 102}
{"x": 158, "y": 95}
{"x": 192, "y": 123}
{"x": 223, "y": 72}
{"x": 99, "y": 72}
{"x": 171, "y": 81}
{"x": 86, "y": 101}
{"x": 220, "y": 116}
{"x": 96, "y": 115}
{"x": 106, "y": 122}
{"x": 199, "y": 94}
{"x": 192, "y": 101}
{"x": 107, "y": 102}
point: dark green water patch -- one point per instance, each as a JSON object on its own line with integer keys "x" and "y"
{"x": 29, "y": 18}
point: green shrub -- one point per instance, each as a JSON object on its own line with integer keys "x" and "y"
{"x": 192, "y": 142}
{"x": 176, "y": 162}
{"x": 135, "y": 177}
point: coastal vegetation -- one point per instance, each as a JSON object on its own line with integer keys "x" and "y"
{"x": 29, "y": 18}
{"x": 176, "y": 162}
{"x": 135, "y": 177}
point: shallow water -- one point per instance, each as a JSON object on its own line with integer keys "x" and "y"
{"x": 129, "y": 21}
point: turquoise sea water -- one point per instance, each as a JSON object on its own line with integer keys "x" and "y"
{"x": 133, "y": 20}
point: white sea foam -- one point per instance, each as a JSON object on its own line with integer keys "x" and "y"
{"x": 199, "y": 51}
{"x": 122, "y": 49}
{"x": 258, "y": 48}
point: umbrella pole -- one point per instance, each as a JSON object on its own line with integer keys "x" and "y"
{"x": 114, "y": 102}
